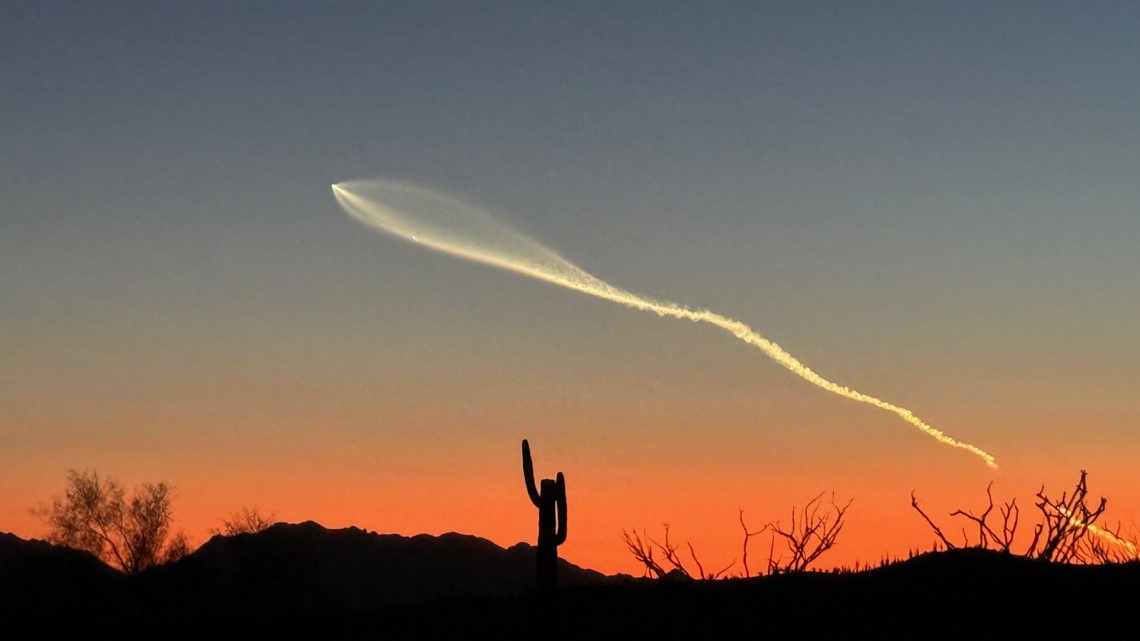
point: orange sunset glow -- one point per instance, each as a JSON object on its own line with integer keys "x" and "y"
{"x": 334, "y": 263}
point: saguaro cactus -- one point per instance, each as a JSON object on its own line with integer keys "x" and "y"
{"x": 550, "y": 499}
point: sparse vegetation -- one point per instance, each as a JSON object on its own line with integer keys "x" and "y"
{"x": 811, "y": 533}
{"x": 245, "y": 521}
{"x": 95, "y": 515}
{"x": 549, "y": 496}
{"x": 641, "y": 547}
{"x": 133, "y": 533}
{"x": 1067, "y": 532}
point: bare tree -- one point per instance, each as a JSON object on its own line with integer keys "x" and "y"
{"x": 987, "y": 536}
{"x": 810, "y": 534}
{"x": 177, "y": 547}
{"x": 937, "y": 530}
{"x": 95, "y": 515}
{"x": 708, "y": 576}
{"x": 747, "y": 536}
{"x": 1067, "y": 532}
{"x": 1111, "y": 545}
{"x": 1064, "y": 525}
{"x": 245, "y": 521}
{"x": 642, "y": 550}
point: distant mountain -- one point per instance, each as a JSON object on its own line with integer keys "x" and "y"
{"x": 350, "y": 583}
{"x": 49, "y": 584}
{"x": 306, "y": 569}
{"x": 291, "y": 571}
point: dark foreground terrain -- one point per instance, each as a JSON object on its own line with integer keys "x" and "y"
{"x": 354, "y": 584}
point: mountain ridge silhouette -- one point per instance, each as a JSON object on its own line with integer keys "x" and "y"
{"x": 291, "y": 570}
{"x": 352, "y": 583}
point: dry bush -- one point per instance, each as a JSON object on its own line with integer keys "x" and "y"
{"x": 811, "y": 532}
{"x": 987, "y": 537}
{"x": 95, "y": 515}
{"x": 245, "y": 521}
{"x": 1067, "y": 532}
{"x": 1064, "y": 525}
{"x": 808, "y": 535}
{"x": 642, "y": 550}
{"x": 1111, "y": 545}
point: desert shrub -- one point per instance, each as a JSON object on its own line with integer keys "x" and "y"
{"x": 94, "y": 514}
{"x": 244, "y": 521}
{"x": 1066, "y": 533}
{"x": 809, "y": 533}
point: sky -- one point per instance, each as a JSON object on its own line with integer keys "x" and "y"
{"x": 935, "y": 204}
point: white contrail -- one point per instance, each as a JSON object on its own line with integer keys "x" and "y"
{"x": 1099, "y": 531}
{"x": 448, "y": 225}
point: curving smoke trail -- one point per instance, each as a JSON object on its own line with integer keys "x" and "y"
{"x": 448, "y": 225}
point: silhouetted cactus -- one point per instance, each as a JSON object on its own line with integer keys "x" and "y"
{"x": 550, "y": 499}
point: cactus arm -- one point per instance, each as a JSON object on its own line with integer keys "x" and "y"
{"x": 560, "y": 499}
{"x": 528, "y": 475}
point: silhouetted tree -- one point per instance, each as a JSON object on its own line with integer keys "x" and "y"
{"x": 809, "y": 535}
{"x": 748, "y": 534}
{"x": 177, "y": 547}
{"x": 642, "y": 550}
{"x": 812, "y": 532}
{"x": 987, "y": 536}
{"x": 1111, "y": 546}
{"x": 1064, "y": 524}
{"x": 95, "y": 515}
{"x": 245, "y": 521}
{"x": 550, "y": 499}
{"x": 1067, "y": 532}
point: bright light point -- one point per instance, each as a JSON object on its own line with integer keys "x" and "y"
{"x": 454, "y": 227}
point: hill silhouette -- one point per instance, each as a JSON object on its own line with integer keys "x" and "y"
{"x": 45, "y": 583}
{"x": 349, "y": 583}
{"x": 308, "y": 570}
{"x": 286, "y": 572}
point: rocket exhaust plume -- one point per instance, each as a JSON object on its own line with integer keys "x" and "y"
{"x": 1101, "y": 532}
{"x": 451, "y": 226}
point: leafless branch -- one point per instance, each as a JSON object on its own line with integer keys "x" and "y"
{"x": 642, "y": 550}
{"x": 748, "y": 535}
{"x": 1067, "y": 532}
{"x": 693, "y": 553}
{"x": 1066, "y": 522}
{"x": 986, "y": 534}
{"x": 812, "y": 533}
{"x": 937, "y": 530}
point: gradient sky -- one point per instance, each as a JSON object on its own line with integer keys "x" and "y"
{"x": 936, "y": 205}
